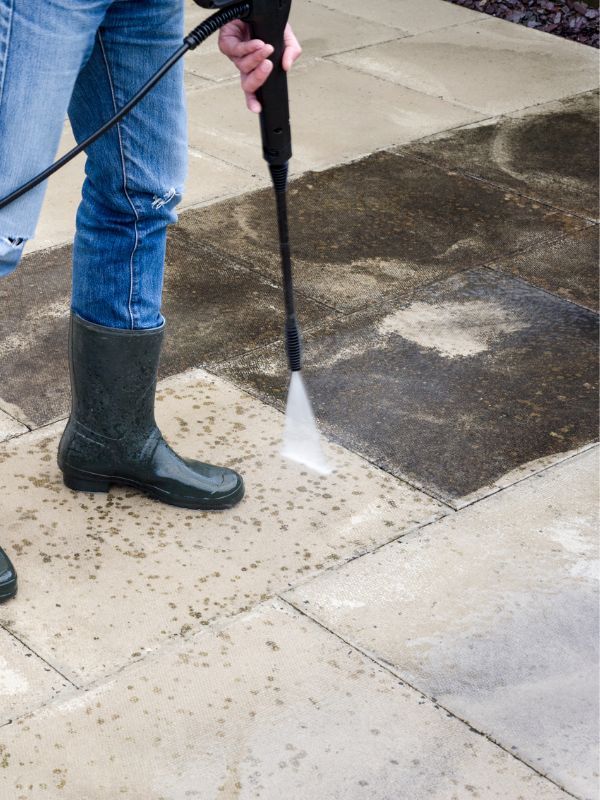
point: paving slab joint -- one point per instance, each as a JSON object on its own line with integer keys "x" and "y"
{"x": 392, "y": 669}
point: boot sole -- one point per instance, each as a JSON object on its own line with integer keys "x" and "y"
{"x": 102, "y": 484}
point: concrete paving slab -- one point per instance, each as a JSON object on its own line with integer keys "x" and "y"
{"x": 493, "y": 612}
{"x": 339, "y": 100}
{"x": 214, "y": 307}
{"x": 543, "y": 152}
{"x": 26, "y": 682}
{"x": 320, "y": 31}
{"x": 414, "y": 16}
{"x": 520, "y": 473}
{"x": 269, "y": 707}
{"x": 475, "y": 65}
{"x": 379, "y": 228}
{"x": 567, "y": 267}
{"x": 9, "y": 426}
{"x": 174, "y": 570}
{"x": 467, "y": 380}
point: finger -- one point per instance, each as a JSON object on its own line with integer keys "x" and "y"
{"x": 255, "y": 79}
{"x": 232, "y": 46}
{"x": 236, "y": 30}
{"x": 252, "y": 103}
{"x": 292, "y": 51}
{"x": 253, "y": 60}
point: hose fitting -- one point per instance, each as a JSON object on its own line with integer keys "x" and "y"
{"x": 212, "y": 24}
{"x": 293, "y": 344}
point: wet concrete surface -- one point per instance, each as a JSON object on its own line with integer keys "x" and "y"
{"x": 549, "y": 152}
{"x": 567, "y": 267}
{"x": 215, "y": 309}
{"x": 472, "y": 377}
{"x": 379, "y": 228}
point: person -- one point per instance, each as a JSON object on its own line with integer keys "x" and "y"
{"x": 87, "y": 58}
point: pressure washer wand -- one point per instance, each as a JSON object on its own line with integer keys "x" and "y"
{"x": 268, "y": 19}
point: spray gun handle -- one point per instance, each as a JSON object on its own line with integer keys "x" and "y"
{"x": 268, "y": 19}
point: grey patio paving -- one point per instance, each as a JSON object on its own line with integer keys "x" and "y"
{"x": 379, "y": 228}
{"x": 494, "y": 613}
{"x": 270, "y": 705}
{"x": 547, "y": 152}
{"x": 134, "y": 573}
{"x": 471, "y": 377}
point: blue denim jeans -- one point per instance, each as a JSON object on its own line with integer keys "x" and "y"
{"x": 87, "y": 58}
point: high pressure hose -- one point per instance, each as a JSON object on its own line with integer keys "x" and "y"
{"x": 192, "y": 40}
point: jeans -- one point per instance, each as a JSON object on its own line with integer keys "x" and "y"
{"x": 87, "y": 58}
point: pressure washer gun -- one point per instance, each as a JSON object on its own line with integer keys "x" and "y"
{"x": 267, "y": 20}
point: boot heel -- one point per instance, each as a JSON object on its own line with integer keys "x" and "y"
{"x": 86, "y": 484}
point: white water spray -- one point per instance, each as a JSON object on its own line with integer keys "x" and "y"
{"x": 301, "y": 440}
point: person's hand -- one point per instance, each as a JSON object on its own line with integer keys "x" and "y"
{"x": 251, "y": 57}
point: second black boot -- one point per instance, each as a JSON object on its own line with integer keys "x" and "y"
{"x": 112, "y": 437}
{"x": 8, "y": 578}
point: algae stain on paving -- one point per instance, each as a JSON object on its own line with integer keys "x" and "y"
{"x": 454, "y": 329}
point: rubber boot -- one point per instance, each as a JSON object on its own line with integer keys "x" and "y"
{"x": 111, "y": 436}
{"x": 8, "y": 578}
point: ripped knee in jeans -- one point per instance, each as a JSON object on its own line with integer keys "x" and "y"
{"x": 11, "y": 250}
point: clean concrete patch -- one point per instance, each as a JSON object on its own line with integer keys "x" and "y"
{"x": 105, "y": 579}
{"x": 9, "y": 426}
{"x": 493, "y": 611}
{"x": 320, "y": 31}
{"x": 413, "y": 16}
{"x": 338, "y": 115}
{"x": 475, "y": 325}
{"x": 269, "y": 707}
{"x": 475, "y": 65}
{"x": 26, "y": 682}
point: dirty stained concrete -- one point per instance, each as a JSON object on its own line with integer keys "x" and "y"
{"x": 547, "y": 152}
{"x": 472, "y": 377}
{"x": 214, "y": 306}
{"x": 566, "y": 266}
{"x": 380, "y": 228}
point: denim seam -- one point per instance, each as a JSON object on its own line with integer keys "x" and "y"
{"x": 4, "y": 62}
{"x": 133, "y": 208}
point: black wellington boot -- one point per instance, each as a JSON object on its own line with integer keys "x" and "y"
{"x": 8, "y": 578}
{"x": 111, "y": 435}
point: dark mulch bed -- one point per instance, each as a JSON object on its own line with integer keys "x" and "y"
{"x": 569, "y": 18}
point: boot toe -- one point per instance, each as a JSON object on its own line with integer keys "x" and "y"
{"x": 8, "y": 578}
{"x": 232, "y": 485}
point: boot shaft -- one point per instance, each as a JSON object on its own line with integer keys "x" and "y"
{"x": 113, "y": 377}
